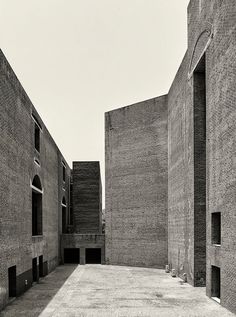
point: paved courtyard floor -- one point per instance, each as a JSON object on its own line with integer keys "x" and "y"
{"x": 107, "y": 291}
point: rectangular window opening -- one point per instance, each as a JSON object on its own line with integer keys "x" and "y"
{"x": 216, "y": 228}
{"x": 41, "y": 266}
{"x": 37, "y": 137}
{"x": 64, "y": 172}
{"x": 37, "y": 221}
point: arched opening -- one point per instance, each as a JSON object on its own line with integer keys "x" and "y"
{"x": 37, "y": 217}
{"x": 64, "y": 216}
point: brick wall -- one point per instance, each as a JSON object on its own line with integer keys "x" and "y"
{"x": 87, "y": 207}
{"x": 221, "y": 135}
{"x": 181, "y": 175}
{"x": 136, "y": 184}
{"x": 18, "y": 168}
{"x": 211, "y": 30}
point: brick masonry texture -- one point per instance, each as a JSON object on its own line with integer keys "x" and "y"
{"x": 211, "y": 29}
{"x": 166, "y": 172}
{"x": 87, "y": 191}
{"x": 136, "y": 184}
{"x": 201, "y": 162}
{"x": 86, "y": 203}
{"x": 18, "y": 168}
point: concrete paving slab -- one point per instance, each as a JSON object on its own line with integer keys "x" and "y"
{"x": 107, "y": 291}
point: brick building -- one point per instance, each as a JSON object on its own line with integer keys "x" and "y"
{"x": 170, "y": 176}
{"x": 86, "y": 243}
{"x": 194, "y": 125}
{"x": 35, "y": 190}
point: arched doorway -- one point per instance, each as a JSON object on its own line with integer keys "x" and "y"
{"x": 37, "y": 217}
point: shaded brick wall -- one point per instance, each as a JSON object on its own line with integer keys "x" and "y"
{"x": 221, "y": 150}
{"x": 87, "y": 207}
{"x": 17, "y": 168}
{"x": 136, "y": 184}
{"x": 211, "y": 29}
{"x": 181, "y": 175}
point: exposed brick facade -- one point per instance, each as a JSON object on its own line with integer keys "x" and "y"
{"x": 170, "y": 164}
{"x": 211, "y": 30}
{"x": 136, "y": 184}
{"x": 201, "y": 162}
{"x": 87, "y": 190}
{"x": 18, "y": 167}
{"x": 86, "y": 203}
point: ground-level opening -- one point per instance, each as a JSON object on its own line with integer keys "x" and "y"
{"x": 72, "y": 256}
{"x": 215, "y": 283}
{"x": 199, "y": 118}
{"x": 41, "y": 266}
{"x": 12, "y": 281}
{"x": 35, "y": 270}
{"x": 93, "y": 256}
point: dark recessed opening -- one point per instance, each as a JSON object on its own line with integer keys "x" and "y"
{"x": 93, "y": 256}
{"x": 64, "y": 222}
{"x": 199, "y": 116}
{"x": 64, "y": 172}
{"x": 72, "y": 256}
{"x": 215, "y": 282}
{"x": 35, "y": 270}
{"x": 36, "y": 214}
{"x": 37, "y": 137}
{"x": 12, "y": 281}
{"x": 41, "y": 266}
{"x": 216, "y": 228}
{"x": 71, "y": 204}
{"x": 37, "y": 219}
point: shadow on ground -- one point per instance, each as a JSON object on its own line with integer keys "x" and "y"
{"x": 36, "y": 299}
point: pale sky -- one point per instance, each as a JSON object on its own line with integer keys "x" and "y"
{"x": 77, "y": 59}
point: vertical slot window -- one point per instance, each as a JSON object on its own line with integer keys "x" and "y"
{"x": 37, "y": 215}
{"x": 199, "y": 120}
{"x": 37, "y": 137}
{"x": 63, "y": 172}
{"x": 216, "y": 228}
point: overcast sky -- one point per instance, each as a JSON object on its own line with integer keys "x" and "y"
{"x": 77, "y": 59}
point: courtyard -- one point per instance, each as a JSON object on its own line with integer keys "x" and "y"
{"x": 101, "y": 290}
